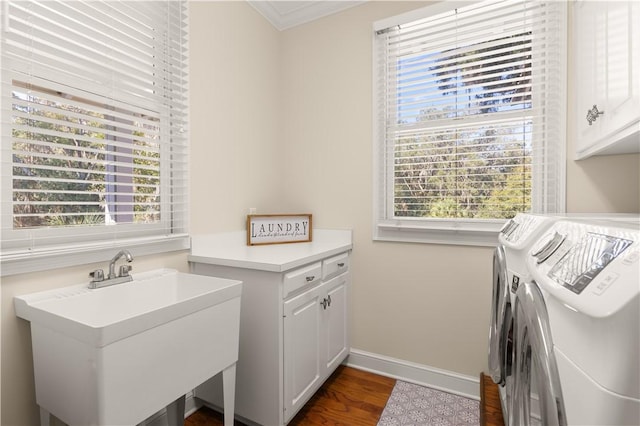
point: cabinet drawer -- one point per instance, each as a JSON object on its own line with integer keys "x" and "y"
{"x": 335, "y": 265}
{"x": 302, "y": 277}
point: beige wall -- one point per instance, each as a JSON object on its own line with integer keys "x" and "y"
{"x": 235, "y": 117}
{"x": 281, "y": 121}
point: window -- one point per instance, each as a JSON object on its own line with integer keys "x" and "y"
{"x": 469, "y": 119}
{"x": 94, "y": 142}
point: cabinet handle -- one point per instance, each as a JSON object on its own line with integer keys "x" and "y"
{"x": 592, "y": 114}
{"x": 324, "y": 303}
{"x": 329, "y": 300}
{"x": 310, "y": 278}
{"x": 340, "y": 265}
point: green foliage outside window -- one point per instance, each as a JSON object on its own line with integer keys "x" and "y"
{"x": 68, "y": 170}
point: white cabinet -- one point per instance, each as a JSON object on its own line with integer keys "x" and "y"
{"x": 293, "y": 322}
{"x": 606, "y": 39}
{"x": 315, "y": 340}
{"x": 302, "y": 368}
{"x": 336, "y": 321}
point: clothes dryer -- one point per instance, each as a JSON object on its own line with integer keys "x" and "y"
{"x": 509, "y": 269}
{"x": 577, "y": 326}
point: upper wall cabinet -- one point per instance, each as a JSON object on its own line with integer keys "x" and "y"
{"x": 607, "y": 70}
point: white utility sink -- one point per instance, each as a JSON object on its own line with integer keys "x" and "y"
{"x": 116, "y": 355}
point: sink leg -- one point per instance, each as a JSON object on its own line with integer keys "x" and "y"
{"x": 45, "y": 417}
{"x": 229, "y": 393}
{"x": 175, "y": 412}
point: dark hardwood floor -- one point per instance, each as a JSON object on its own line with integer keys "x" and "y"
{"x": 352, "y": 397}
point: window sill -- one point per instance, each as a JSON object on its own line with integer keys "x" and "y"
{"x": 82, "y": 254}
{"x": 436, "y": 231}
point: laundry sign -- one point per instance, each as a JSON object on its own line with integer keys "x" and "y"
{"x": 278, "y": 229}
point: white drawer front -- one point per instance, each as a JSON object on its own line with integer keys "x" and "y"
{"x": 335, "y": 266}
{"x": 302, "y": 277}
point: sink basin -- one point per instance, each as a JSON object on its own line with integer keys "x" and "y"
{"x": 105, "y": 315}
{"x": 118, "y": 354}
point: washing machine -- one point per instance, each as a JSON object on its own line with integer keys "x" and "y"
{"x": 577, "y": 326}
{"x": 509, "y": 269}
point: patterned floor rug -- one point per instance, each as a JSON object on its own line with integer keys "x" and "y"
{"x": 413, "y": 405}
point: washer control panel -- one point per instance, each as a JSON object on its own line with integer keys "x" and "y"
{"x": 590, "y": 267}
{"x": 586, "y": 259}
{"x": 547, "y": 246}
{"x": 519, "y": 229}
{"x": 508, "y": 228}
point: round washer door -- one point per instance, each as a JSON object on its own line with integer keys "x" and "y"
{"x": 535, "y": 362}
{"x": 499, "y": 327}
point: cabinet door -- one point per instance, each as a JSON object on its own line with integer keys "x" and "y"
{"x": 302, "y": 365}
{"x": 622, "y": 62}
{"x": 607, "y": 43}
{"x": 589, "y": 41}
{"x": 336, "y": 325}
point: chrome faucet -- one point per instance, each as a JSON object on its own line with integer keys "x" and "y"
{"x": 123, "y": 271}
{"x": 123, "y": 276}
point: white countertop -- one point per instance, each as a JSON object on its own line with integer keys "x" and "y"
{"x": 231, "y": 249}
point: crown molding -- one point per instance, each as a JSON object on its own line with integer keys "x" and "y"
{"x": 288, "y": 14}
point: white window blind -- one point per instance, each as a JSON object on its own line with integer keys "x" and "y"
{"x": 94, "y": 130}
{"x": 470, "y": 116}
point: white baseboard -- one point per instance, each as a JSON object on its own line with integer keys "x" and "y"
{"x": 419, "y": 374}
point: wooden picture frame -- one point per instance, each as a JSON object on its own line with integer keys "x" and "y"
{"x": 278, "y": 228}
